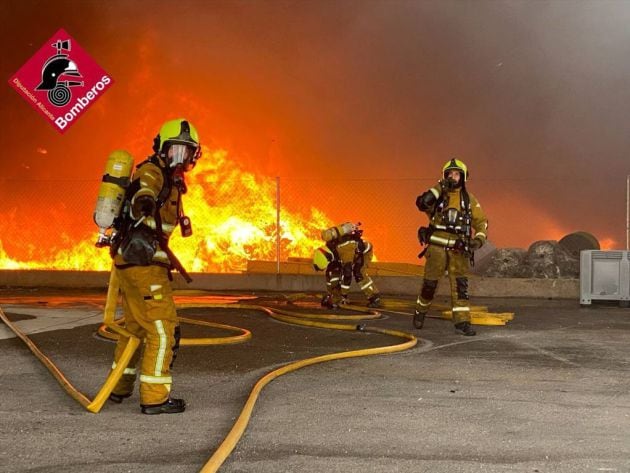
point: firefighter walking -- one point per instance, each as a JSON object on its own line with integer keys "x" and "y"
{"x": 143, "y": 261}
{"x": 457, "y": 227}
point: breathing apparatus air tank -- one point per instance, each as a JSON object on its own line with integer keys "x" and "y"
{"x": 111, "y": 194}
{"x": 338, "y": 231}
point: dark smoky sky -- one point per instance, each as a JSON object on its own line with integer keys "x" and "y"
{"x": 533, "y": 95}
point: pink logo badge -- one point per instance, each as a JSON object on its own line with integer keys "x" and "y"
{"x": 61, "y": 81}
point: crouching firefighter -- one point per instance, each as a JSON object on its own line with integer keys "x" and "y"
{"x": 325, "y": 260}
{"x": 457, "y": 227}
{"x": 143, "y": 261}
{"x": 345, "y": 256}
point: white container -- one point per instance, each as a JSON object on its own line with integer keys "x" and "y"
{"x": 605, "y": 275}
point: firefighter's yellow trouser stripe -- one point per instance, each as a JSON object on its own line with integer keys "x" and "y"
{"x": 439, "y": 260}
{"x": 419, "y": 301}
{"x": 126, "y": 370}
{"x": 156, "y": 379}
{"x": 150, "y": 316}
{"x": 366, "y": 285}
{"x": 159, "y": 359}
{"x": 460, "y": 313}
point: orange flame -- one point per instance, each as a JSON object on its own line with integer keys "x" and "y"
{"x": 608, "y": 243}
{"x": 234, "y": 218}
{"x": 233, "y": 213}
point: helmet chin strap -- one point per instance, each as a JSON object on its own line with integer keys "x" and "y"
{"x": 156, "y": 143}
{"x": 179, "y": 180}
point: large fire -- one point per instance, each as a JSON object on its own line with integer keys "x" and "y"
{"x": 233, "y": 213}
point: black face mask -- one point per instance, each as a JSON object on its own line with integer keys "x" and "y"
{"x": 451, "y": 184}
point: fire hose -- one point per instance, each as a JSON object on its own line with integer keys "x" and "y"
{"x": 232, "y": 438}
{"x": 113, "y": 329}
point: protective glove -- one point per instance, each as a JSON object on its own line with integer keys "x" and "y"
{"x": 443, "y": 186}
{"x": 459, "y": 245}
{"x": 423, "y": 235}
{"x": 144, "y": 205}
{"x": 447, "y": 185}
{"x": 475, "y": 244}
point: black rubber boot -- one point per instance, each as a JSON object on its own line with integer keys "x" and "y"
{"x": 118, "y": 398}
{"x": 374, "y": 301}
{"x": 171, "y": 406}
{"x": 465, "y": 329}
{"x": 418, "y": 319}
{"x": 327, "y": 302}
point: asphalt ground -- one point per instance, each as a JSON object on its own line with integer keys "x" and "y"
{"x": 549, "y": 392}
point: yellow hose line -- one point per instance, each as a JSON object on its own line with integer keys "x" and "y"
{"x": 370, "y": 315}
{"x": 110, "y": 323}
{"x": 478, "y": 317}
{"x": 114, "y": 375}
{"x": 97, "y": 404}
{"x": 104, "y": 331}
{"x": 109, "y": 314}
{"x": 111, "y": 301}
{"x": 238, "y": 429}
{"x": 245, "y": 334}
{"x": 235, "y": 434}
{"x": 65, "y": 384}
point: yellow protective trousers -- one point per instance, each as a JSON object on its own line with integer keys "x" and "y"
{"x": 439, "y": 260}
{"x": 366, "y": 283}
{"x": 333, "y": 281}
{"x": 150, "y": 315}
{"x": 339, "y": 280}
{"x": 347, "y": 255}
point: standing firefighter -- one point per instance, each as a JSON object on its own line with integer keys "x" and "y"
{"x": 346, "y": 255}
{"x": 143, "y": 261}
{"x": 457, "y": 227}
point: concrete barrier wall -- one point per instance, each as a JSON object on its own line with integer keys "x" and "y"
{"x": 402, "y": 285}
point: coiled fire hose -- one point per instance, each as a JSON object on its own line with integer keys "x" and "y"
{"x": 112, "y": 329}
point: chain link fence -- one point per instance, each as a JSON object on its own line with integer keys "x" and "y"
{"x": 238, "y": 217}
{"x": 385, "y": 208}
{"x": 48, "y": 224}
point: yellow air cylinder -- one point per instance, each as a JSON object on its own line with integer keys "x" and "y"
{"x": 338, "y": 231}
{"x": 112, "y": 193}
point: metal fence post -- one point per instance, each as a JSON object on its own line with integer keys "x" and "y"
{"x": 277, "y": 224}
{"x": 628, "y": 212}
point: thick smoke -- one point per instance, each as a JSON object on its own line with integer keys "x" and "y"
{"x": 532, "y": 95}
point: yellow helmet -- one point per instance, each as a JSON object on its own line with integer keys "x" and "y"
{"x": 457, "y": 165}
{"x": 321, "y": 257}
{"x": 178, "y": 132}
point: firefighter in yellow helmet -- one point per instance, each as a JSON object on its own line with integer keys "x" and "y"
{"x": 457, "y": 227}
{"x": 345, "y": 256}
{"x": 143, "y": 261}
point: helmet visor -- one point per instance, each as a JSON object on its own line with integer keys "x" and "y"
{"x": 180, "y": 154}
